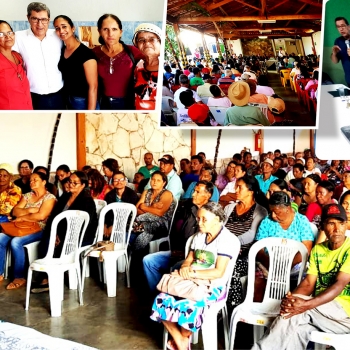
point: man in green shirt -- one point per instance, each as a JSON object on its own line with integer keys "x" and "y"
{"x": 328, "y": 283}
{"x": 197, "y": 79}
{"x": 149, "y": 168}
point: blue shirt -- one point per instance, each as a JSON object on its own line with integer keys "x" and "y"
{"x": 343, "y": 57}
{"x": 265, "y": 185}
{"x": 299, "y": 230}
{"x": 188, "y": 194}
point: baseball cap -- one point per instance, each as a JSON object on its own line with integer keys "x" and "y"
{"x": 198, "y": 112}
{"x": 167, "y": 159}
{"x": 333, "y": 210}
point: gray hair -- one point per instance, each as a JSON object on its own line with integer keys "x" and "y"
{"x": 183, "y": 79}
{"x": 37, "y": 7}
{"x": 216, "y": 209}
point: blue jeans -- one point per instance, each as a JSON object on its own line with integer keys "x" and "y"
{"x": 113, "y": 103}
{"x": 154, "y": 266}
{"x": 79, "y": 103}
{"x": 48, "y": 102}
{"x": 17, "y": 250}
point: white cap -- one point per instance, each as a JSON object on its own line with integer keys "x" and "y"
{"x": 147, "y": 27}
{"x": 7, "y": 167}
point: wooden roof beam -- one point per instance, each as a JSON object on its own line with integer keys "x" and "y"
{"x": 301, "y": 9}
{"x": 248, "y": 5}
{"x": 278, "y": 4}
{"x": 313, "y": 3}
{"x": 218, "y": 4}
{"x": 178, "y": 4}
{"x": 270, "y": 36}
{"x": 201, "y": 19}
{"x": 227, "y": 31}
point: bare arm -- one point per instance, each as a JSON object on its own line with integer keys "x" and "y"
{"x": 19, "y": 209}
{"x": 141, "y": 201}
{"x": 297, "y": 259}
{"x": 334, "y": 55}
{"x": 42, "y": 214}
{"x": 90, "y": 69}
{"x": 159, "y": 208}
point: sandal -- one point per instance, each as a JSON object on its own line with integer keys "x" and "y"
{"x": 16, "y": 283}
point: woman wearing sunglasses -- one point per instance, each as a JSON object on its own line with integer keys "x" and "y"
{"x": 14, "y": 92}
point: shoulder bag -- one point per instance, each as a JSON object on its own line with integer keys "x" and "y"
{"x": 20, "y": 229}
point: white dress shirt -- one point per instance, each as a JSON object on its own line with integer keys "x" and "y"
{"x": 177, "y": 96}
{"x": 41, "y": 58}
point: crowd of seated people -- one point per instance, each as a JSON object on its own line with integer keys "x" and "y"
{"x": 251, "y": 200}
{"x": 76, "y": 77}
{"x": 228, "y": 85}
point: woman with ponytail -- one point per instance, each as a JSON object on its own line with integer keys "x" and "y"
{"x": 243, "y": 219}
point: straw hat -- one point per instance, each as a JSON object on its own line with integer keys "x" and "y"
{"x": 276, "y": 105}
{"x": 239, "y": 93}
{"x": 7, "y": 167}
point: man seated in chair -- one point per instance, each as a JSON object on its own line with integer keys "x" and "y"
{"x": 321, "y": 302}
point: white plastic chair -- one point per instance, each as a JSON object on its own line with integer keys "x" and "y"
{"x": 100, "y": 204}
{"x": 124, "y": 216}
{"x": 281, "y": 254}
{"x": 262, "y": 106}
{"x": 337, "y": 341}
{"x": 209, "y": 325}
{"x": 77, "y": 222}
{"x": 219, "y": 114}
{"x": 154, "y": 245}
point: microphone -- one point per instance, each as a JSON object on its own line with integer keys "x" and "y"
{"x": 347, "y": 42}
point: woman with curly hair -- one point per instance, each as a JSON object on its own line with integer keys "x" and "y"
{"x": 97, "y": 184}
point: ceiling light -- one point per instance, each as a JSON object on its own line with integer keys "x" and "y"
{"x": 309, "y": 31}
{"x": 262, "y": 37}
{"x": 266, "y": 21}
{"x": 265, "y": 31}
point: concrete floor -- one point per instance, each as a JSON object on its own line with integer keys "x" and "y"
{"x": 104, "y": 323}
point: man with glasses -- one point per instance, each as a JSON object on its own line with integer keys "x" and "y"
{"x": 40, "y": 48}
{"x": 25, "y": 169}
{"x": 341, "y": 48}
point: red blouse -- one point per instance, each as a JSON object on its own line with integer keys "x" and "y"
{"x": 116, "y": 71}
{"x": 14, "y": 85}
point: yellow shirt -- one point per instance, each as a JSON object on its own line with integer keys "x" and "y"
{"x": 326, "y": 264}
{"x": 9, "y": 198}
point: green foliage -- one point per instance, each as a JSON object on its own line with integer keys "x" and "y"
{"x": 168, "y": 53}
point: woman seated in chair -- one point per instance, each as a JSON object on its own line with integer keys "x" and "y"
{"x": 283, "y": 222}
{"x": 243, "y": 220}
{"x": 154, "y": 212}
{"x": 34, "y": 206}
{"x": 78, "y": 198}
{"x": 210, "y": 252}
{"x": 97, "y": 184}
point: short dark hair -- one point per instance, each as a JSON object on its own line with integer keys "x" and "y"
{"x": 82, "y": 177}
{"x": 209, "y": 186}
{"x": 237, "y": 156}
{"x": 42, "y": 176}
{"x": 215, "y": 90}
{"x": 299, "y": 166}
{"x": 63, "y": 167}
{"x": 195, "y": 70}
{"x": 277, "y": 150}
{"x": 314, "y": 177}
{"x": 100, "y": 21}
{"x": 341, "y": 19}
{"x": 40, "y": 167}
{"x": 4, "y": 22}
{"x": 199, "y": 158}
{"x": 164, "y": 177}
{"x": 186, "y": 98}
{"x": 342, "y": 198}
{"x": 29, "y": 162}
{"x": 328, "y": 185}
{"x": 280, "y": 198}
{"x": 281, "y": 184}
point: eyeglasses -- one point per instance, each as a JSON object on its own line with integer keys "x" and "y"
{"x": 37, "y": 20}
{"x": 74, "y": 183}
{"x": 150, "y": 40}
{"x": 119, "y": 180}
{"x": 342, "y": 26}
{"x": 25, "y": 167}
{"x": 3, "y": 34}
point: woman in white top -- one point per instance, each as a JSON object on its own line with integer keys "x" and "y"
{"x": 218, "y": 100}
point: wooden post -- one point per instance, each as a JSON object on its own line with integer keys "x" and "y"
{"x": 81, "y": 140}
{"x": 193, "y": 142}
{"x": 312, "y": 141}
{"x": 262, "y": 140}
{"x": 218, "y": 48}
{"x": 313, "y": 45}
{"x": 205, "y": 49}
{"x": 182, "y": 50}
{"x": 172, "y": 50}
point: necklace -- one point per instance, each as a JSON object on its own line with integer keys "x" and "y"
{"x": 16, "y": 69}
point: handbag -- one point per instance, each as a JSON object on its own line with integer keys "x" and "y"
{"x": 20, "y": 229}
{"x": 101, "y": 246}
{"x": 193, "y": 289}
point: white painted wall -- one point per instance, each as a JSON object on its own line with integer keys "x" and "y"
{"x": 89, "y": 10}
{"x": 232, "y": 141}
{"x": 235, "y": 46}
{"x": 283, "y": 140}
{"x": 318, "y": 44}
{"x": 307, "y": 43}
{"x": 28, "y": 136}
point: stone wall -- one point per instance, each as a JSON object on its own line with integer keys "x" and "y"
{"x": 128, "y": 136}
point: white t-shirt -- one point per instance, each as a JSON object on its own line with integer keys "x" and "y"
{"x": 177, "y": 96}
{"x": 266, "y": 90}
{"x": 230, "y": 187}
{"x": 205, "y": 255}
{"x": 41, "y": 58}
